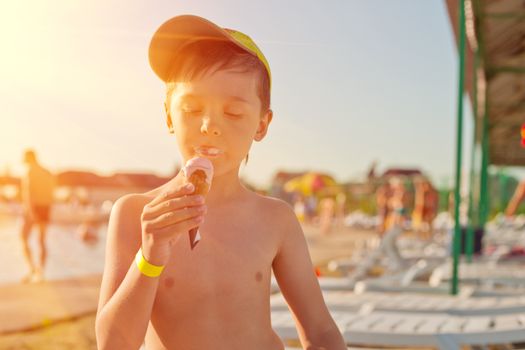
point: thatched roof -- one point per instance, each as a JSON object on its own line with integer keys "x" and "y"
{"x": 500, "y": 28}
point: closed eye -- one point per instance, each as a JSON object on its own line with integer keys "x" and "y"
{"x": 233, "y": 115}
{"x": 191, "y": 111}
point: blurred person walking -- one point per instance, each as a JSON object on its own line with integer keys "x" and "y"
{"x": 37, "y": 186}
{"x": 383, "y": 194}
{"x": 340, "y": 209}
{"x": 397, "y": 204}
{"x": 310, "y": 209}
{"x": 326, "y": 215}
{"x": 299, "y": 207}
{"x": 425, "y": 207}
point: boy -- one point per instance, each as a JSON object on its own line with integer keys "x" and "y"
{"x": 216, "y": 296}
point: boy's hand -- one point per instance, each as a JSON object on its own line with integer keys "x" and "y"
{"x": 167, "y": 216}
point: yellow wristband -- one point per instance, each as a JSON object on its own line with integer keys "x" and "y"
{"x": 145, "y": 267}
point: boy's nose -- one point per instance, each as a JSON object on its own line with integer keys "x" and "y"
{"x": 209, "y": 128}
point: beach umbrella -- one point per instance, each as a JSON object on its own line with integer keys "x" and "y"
{"x": 310, "y": 183}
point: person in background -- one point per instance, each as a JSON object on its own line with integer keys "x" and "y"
{"x": 425, "y": 207}
{"x": 326, "y": 215}
{"x": 340, "y": 210}
{"x": 383, "y": 194}
{"x": 310, "y": 209}
{"x": 397, "y": 204}
{"x": 37, "y": 186}
{"x": 299, "y": 207}
{"x": 517, "y": 198}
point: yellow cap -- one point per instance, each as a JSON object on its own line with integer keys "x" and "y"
{"x": 177, "y": 31}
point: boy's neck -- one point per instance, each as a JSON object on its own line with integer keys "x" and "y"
{"x": 225, "y": 188}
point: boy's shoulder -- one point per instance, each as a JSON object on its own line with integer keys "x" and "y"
{"x": 271, "y": 203}
{"x": 131, "y": 203}
{"x": 275, "y": 210}
{"x": 127, "y": 210}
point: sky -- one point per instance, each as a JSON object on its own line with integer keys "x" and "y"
{"x": 353, "y": 82}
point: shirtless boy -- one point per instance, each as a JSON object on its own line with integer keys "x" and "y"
{"x": 215, "y": 296}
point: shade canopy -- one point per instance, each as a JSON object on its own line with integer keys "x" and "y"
{"x": 500, "y": 28}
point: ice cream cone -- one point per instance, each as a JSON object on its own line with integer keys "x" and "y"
{"x": 198, "y": 171}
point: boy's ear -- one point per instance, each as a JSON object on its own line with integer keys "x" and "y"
{"x": 169, "y": 122}
{"x": 264, "y": 122}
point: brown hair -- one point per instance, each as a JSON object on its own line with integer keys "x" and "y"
{"x": 204, "y": 56}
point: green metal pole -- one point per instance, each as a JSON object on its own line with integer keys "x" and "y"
{"x": 484, "y": 176}
{"x": 472, "y": 220}
{"x": 484, "y": 205}
{"x": 459, "y": 147}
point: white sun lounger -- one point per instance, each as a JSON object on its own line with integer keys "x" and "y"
{"x": 414, "y": 303}
{"x": 483, "y": 273}
{"x": 409, "y": 329}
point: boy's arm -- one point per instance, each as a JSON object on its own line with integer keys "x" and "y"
{"x": 294, "y": 273}
{"x": 126, "y": 296}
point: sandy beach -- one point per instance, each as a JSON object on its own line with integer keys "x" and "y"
{"x": 72, "y": 325}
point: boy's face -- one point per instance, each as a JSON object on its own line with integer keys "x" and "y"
{"x": 217, "y": 116}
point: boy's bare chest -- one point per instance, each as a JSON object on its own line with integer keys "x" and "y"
{"x": 232, "y": 260}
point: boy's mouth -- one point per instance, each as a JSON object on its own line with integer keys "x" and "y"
{"x": 208, "y": 151}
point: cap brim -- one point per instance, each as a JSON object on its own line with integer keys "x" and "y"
{"x": 174, "y": 34}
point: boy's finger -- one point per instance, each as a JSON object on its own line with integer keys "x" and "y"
{"x": 178, "y": 192}
{"x": 182, "y": 226}
{"x": 174, "y": 204}
{"x": 175, "y": 217}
